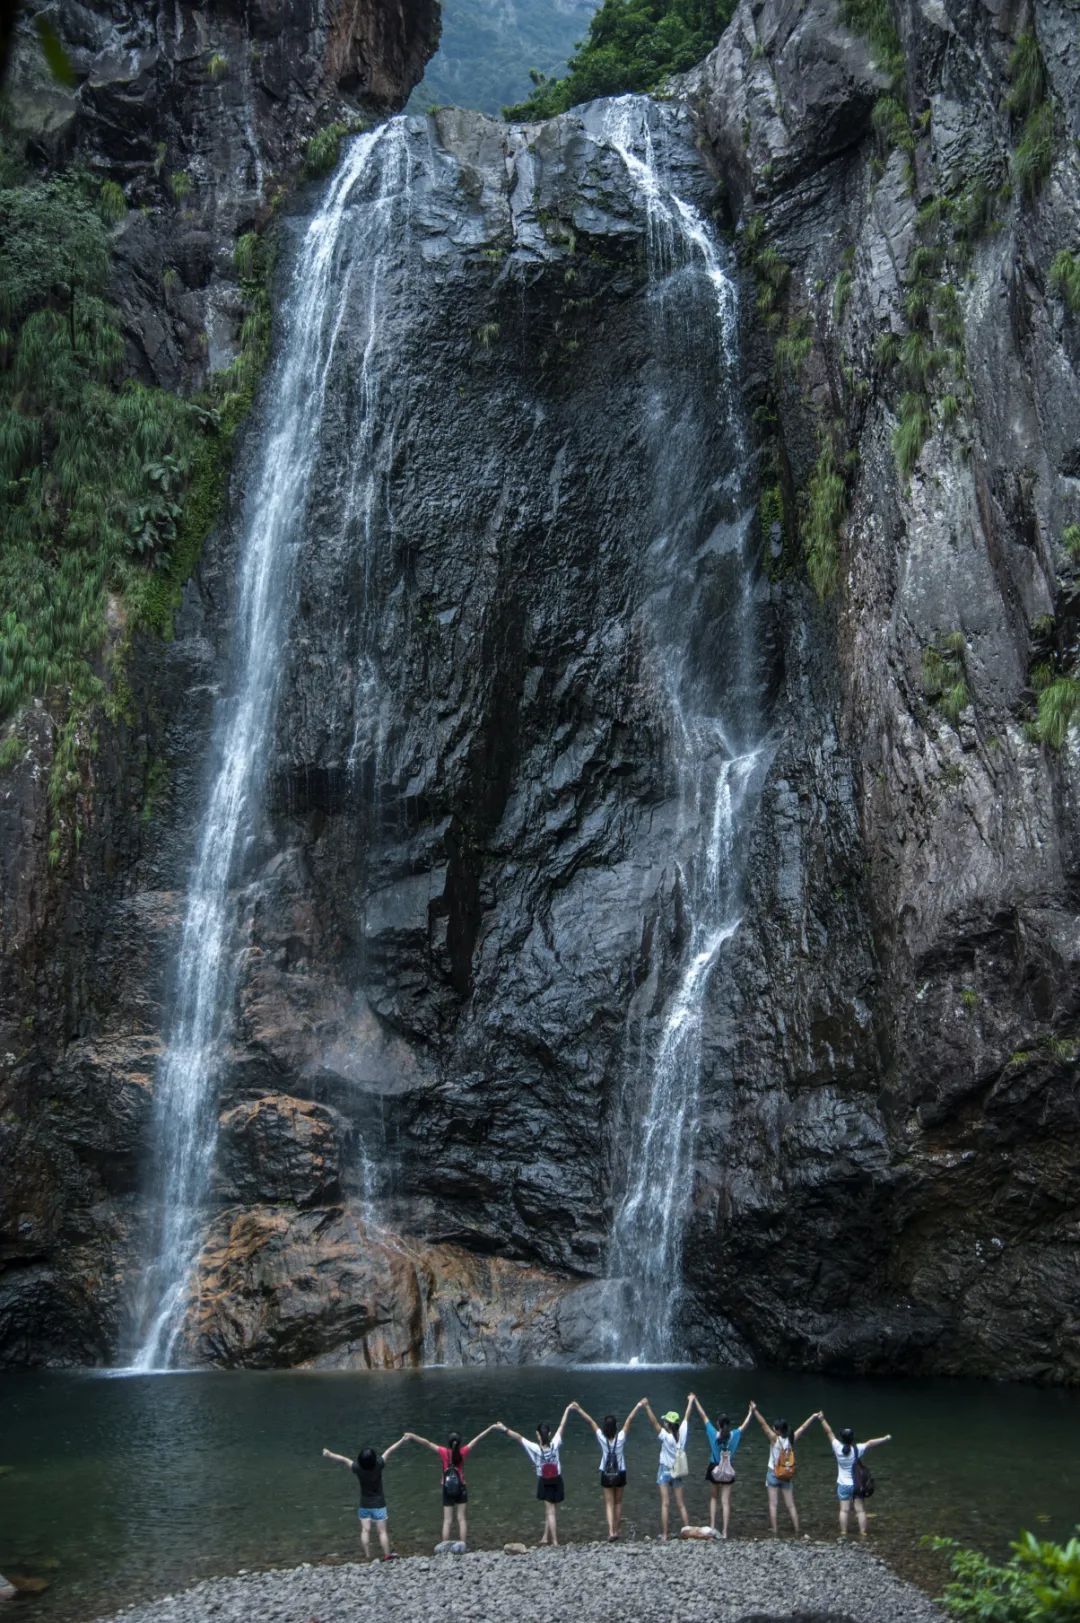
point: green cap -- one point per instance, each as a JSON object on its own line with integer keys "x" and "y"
{"x": 672, "y": 1414}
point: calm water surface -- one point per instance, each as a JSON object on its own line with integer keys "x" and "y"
{"x": 117, "y": 1489}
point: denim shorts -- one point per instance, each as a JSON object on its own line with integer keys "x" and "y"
{"x": 773, "y": 1481}
{"x": 845, "y": 1490}
{"x": 666, "y": 1480}
{"x": 367, "y": 1515}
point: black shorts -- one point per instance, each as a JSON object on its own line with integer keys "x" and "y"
{"x": 620, "y": 1481}
{"x": 550, "y": 1489}
{"x": 459, "y": 1498}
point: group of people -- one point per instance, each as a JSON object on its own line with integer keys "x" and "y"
{"x": 853, "y": 1481}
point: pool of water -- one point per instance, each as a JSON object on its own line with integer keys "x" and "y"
{"x": 114, "y": 1489}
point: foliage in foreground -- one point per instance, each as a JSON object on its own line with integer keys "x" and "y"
{"x": 1040, "y": 1582}
{"x": 632, "y": 45}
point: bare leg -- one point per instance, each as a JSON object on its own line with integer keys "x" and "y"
{"x": 714, "y": 1494}
{"x": 384, "y": 1537}
{"x": 772, "y": 1492}
{"x": 664, "y": 1496}
{"x": 681, "y": 1502}
{"x": 447, "y": 1513}
{"x": 725, "y": 1500}
{"x": 365, "y": 1537}
{"x": 609, "y": 1510}
{"x": 844, "y": 1514}
{"x": 618, "y": 1511}
{"x": 860, "y": 1515}
{"x": 552, "y": 1524}
{"x": 463, "y": 1523}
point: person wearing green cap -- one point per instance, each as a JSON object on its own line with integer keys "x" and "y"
{"x": 671, "y": 1429}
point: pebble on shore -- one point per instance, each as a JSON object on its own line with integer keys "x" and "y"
{"x": 702, "y": 1582}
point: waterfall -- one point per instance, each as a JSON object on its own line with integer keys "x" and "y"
{"x": 716, "y": 746}
{"x": 341, "y": 241}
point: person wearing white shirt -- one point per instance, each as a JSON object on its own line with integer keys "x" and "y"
{"x": 544, "y": 1454}
{"x": 671, "y": 1430}
{"x": 780, "y": 1471}
{"x": 847, "y": 1451}
{"x": 612, "y": 1439}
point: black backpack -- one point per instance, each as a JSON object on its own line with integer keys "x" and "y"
{"x": 610, "y": 1475}
{"x": 451, "y": 1480}
{"x": 861, "y": 1476}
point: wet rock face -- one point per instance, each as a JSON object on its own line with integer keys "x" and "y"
{"x": 461, "y": 877}
{"x": 902, "y": 1111}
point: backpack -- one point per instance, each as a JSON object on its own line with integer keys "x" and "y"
{"x": 549, "y": 1464}
{"x": 722, "y": 1469}
{"x": 784, "y": 1469}
{"x": 861, "y": 1476}
{"x": 451, "y": 1480}
{"x": 610, "y": 1475}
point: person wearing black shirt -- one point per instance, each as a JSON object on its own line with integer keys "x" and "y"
{"x": 368, "y": 1468}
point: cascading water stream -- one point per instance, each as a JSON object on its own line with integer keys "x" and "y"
{"x": 714, "y": 759}
{"x": 185, "y": 1099}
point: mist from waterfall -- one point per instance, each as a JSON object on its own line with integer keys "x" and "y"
{"x": 714, "y": 735}
{"x": 342, "y": 242}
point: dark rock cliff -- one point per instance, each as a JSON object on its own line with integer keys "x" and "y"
{"x": 455, "y": 893}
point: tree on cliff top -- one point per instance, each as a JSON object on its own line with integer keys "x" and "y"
{"x": 632, "y": 46}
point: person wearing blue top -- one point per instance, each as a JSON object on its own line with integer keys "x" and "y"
{"x": 724, "y": 1439}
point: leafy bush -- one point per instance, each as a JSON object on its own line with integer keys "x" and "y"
{"x": 1059, "y": 701}
{"x": 1034, "y": 155}
{"x": 826, "y": 506}
{"x": 181, "y": 185}
{"x": 1070, "y": 540}
{"x": 1040, "y": 1583}
{"x": 1027, "y": 77}
{"x": 1065, "y": 279}
{"x": 841, "y": 295}
{"x": 911, "y": 431}
{"x": 944, "y": 676}
{"x": 321, "y": 152}
{"x": 112, "y": 204}
{"x": 631, "y": 45}
{"x": 891, "y": 125}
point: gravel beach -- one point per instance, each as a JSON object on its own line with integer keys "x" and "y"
{"x": 752, "y": 1582}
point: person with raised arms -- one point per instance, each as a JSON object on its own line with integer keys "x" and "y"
{"x": 612, "y": 1439}
{"x": 455, "y": 1494}
{"x": 780, "y": 1472}
{"x": 544, "y": 1454}
{"x": 852, "y": 1484}
{"x": 673, "y": 1470}
{"x": 724, "y": 1439}
{"x": 368, "y": 1467}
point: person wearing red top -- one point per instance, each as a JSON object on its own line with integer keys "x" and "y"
{"x": 455, "y": 1494}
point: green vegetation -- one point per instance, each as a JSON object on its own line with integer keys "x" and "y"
{"x": 180, "y": 185}
{"x": 1030, "y": 105}
{"x": 88, "y": 465}
{"x": 771, "y": 273}
{"x": 321, "y": 152}
{"x": 631, "y": 45}
{"x": 1058, "y": 699}
{"x": 841, "y": 295}
{"x": 873, "y": 19}
{"x": 825, "y": 509}
{"x": 969, "y": 998}
{"x": 112, "y": 204}
{"x": 217, "y": 67}
{"x": 1040, "y": 1582}
{"x": 944, "y": 676}
{"x": 1070, "y": 540}
{"x": 107, "y": 487}
{"x": 793, "y": 349}
{"x": 1065, "y": 279}
{"x": 911, "y": 431}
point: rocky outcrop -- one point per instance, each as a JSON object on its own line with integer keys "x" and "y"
{"x": 202, "y": 114}
{"x": 901, "y": 1102}
{"x": 463, "y": 876}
